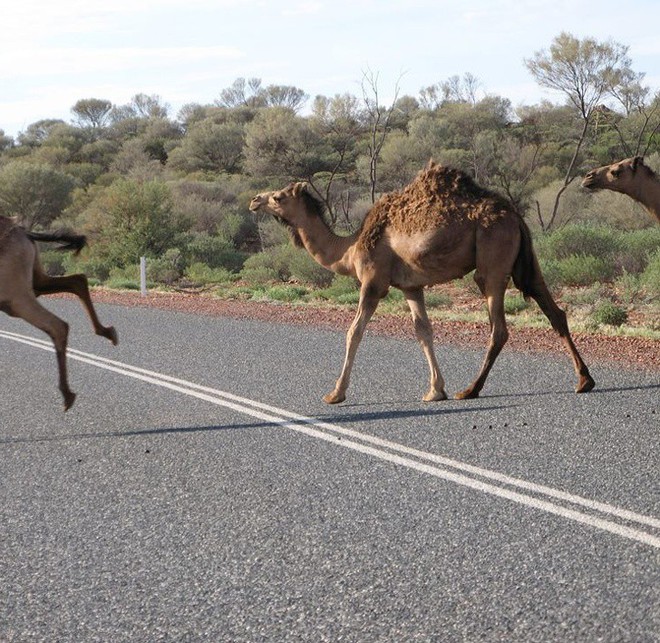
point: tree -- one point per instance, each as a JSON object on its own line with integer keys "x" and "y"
{"x": 585, "y": 72}
{"x": 92, "y": 112}
{"x": 34, "y": 194}
{"x": 280, "y": 144}
{"x": 137, "y": 218}
{"x": 379, "y": 124}
{"x": 38, "y": 132}
{"x": 210, "y": 146}
{"x": 250, "y": 93}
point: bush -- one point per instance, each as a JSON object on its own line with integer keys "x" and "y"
{"x": 202, "y": 274}
{"x": 629, "y": 287}
{"x": 53, "y": 262}
{"x": 609, "y": 314}
{"x": 514, "y": 304}
{"x": 286, "y": 293}
{"x": 166, "y": 268}
{"x": 637, "y": 248}
{"x": 584, "y": 270}
{"x": 436, "y": 299}
{"x": 343, "y": 290}
{"x": 579, "y": 240}
{"x": 303, "y": 268}
{"x": 273, "y": 264}
{"x": 650, "y": 278}
{"x": 95, "y": 267}
{"x": 215, "y": 252}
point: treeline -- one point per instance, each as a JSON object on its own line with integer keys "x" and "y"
{"x": 140, "y": 181}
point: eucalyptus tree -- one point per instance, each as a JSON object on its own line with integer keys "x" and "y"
{"x": 586, "y": 72}
{"x": 34, "y": 193}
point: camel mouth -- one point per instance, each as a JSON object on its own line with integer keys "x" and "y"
{"x": 589, "y": 183}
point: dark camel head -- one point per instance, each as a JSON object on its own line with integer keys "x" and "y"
{"x": 620, "y": 177}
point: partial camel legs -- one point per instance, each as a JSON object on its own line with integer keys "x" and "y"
{"x": 28, "y": 308}
{"x": 369, "y": 298}
{"x": 557, "y": 318}
{"x": 43, "y": 284}
{"x": 499, "y": 334}
{"x": 424, "y": 334}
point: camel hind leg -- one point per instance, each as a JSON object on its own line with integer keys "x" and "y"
{"x": 557, "y": 318}
{"x": 44, "y": 284}
{"x": 493, "y": 288}
{"x": 424, "y": 334}
{"x": 28, "y": 308}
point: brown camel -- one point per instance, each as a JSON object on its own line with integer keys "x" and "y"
{"x": 630, "y": 177}
{"x": 22, "y": 280}
{"x": 438, "y": 228}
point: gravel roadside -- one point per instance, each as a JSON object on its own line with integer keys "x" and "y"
{"x": 635, "y": 352}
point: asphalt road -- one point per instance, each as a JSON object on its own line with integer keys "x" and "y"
{"x": 228, "y": 503}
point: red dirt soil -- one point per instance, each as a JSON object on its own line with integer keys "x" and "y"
{"x": 634, "y": 352}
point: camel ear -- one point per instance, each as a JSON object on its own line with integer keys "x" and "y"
{"x": 638, "y": 160}
{"x": 299, "y": 188}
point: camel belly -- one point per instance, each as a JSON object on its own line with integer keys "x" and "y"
{"x": 426, "y": 259}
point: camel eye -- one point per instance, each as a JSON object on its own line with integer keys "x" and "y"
{"x": 616, "y": 173}
{"x": 278, "y": 197}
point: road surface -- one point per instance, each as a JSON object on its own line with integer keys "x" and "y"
{"x": 200, "y": 490}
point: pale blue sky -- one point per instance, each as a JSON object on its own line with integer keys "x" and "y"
{"x": 186, "y": 51}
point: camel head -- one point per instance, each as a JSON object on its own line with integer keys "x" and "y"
{"x": 289, "y": 206}
{"x": 619, "y": 177}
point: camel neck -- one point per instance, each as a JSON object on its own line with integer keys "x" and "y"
{"x": 649, "y": 197}
{"x": 327, "y": 248}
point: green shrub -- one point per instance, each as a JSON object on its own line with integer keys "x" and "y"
{"x": 629, "y": 287}
{"x": 167, "y": 268}
{"x": 273, "y": 264}
{"x": 514, "y": 304}
{"x": 579, "y": 239}
{"x": 202, "y": 274}
{"x": 650, "y": 278}
{"x": 636, "y": 250}
{"x": 609, "y": 314}
{"x": 436, "y": 299}
{"x": 93, "y": 266}
{"x": 586, "y": 296}
{"x": 550, "y": 271}
{"x": 342, "y": 290}
{"x": 215, "y": 252}
{"x": 303, "y": 268}
{"x": 286, "y": 293}
{"x": 53, "y": 262}
{"x": 583, "y": 270}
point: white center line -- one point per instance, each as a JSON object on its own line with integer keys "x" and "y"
{"x": 392, "y": 452}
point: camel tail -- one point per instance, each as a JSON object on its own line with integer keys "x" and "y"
{"x": 75, "y": 242}
{"x": 526, "y": 269}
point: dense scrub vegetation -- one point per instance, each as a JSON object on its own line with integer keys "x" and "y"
{"x": 139, "y": 181}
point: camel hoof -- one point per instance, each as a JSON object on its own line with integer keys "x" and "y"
{"x": 585, "y": 384}
{"x": 69, "y": 399}
{"x": 435, "y": 396}
{"x": 467, "y": 394}
{"x": 111, "y": 334}
{"x": 334, "y": 398}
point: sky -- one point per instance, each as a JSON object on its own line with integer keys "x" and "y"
{"x": 53, "y": 54}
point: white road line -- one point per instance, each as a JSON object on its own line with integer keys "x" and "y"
{"x": 383, "y": 449}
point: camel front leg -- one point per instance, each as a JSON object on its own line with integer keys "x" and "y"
{"x": 44, "y": 284}
{"x": 29, "y": 309}
{"x": 424, "y": 334}
{"x": 368, "y": 302}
